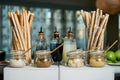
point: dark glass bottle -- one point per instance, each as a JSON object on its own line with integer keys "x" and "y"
{"x": 41, "y": 43}
{"x": 57, "y": 55}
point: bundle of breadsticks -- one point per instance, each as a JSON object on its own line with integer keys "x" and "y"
{"x": 21, "y": 24}
{"x": 95, "y": 22}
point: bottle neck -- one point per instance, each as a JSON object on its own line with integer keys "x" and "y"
{"x": 56, "y": 35}
{"x": 41, "y": 36}
{"x": 70, "y": 35}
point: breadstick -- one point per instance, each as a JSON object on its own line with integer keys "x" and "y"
{"x": 87, "y": 20}
{"x": 28, "y": 15}
{"x": 94, "y": 29}
{"x": 14, "y": 46}
{"x": 20, "y": 32}
{"x": 100, "y": 41}
{"x": 102, "y": 44}
{"x": 91, "y": 29}
{"x": 28, "y": 55}
{"x": 25, "y": 28}
{"x": 21, "y": 21}
{"x": 14, "y": 36}
{"x": 99, "y": 31}
{"x": 16, "y": 30}
{"x": 31, "y": 19}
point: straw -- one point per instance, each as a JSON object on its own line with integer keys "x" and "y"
{"x": 110, "y": 46}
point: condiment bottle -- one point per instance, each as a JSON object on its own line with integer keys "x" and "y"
{"x": 75, "y": 58}
{"x": 41, "y": 42}
{"x": 69, "y": 45}
{"x": 97, "y": 59}
{"x": 57, "y": 55}
{"x": 42, "y": 58}
{"x": 17, "y": 59}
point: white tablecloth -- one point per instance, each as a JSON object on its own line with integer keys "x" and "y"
{"x": 87, "y": 73}
{"x": 59, "y": 73}
{"x": 31, "y": 73}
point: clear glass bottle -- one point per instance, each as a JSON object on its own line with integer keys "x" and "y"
{"x": 41, "y": 42}
{"x": 69, "y": 45}
{"x": 42, "y": 58}
{"x": 17, "y": 59}
{"x": 57, "y": 55}
{"x": 97, "y": 59}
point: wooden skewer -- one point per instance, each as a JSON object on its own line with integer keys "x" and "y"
{"x": 56, "y": 48}
{"x": 110, "y": 46}
{"x": 28, "y": 49}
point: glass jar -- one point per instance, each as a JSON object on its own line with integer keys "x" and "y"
{"x": 17, "y": 59}
{"x": 42, "y": 58}
{"x": 97, "y": 58}
{"x": 86, "y": 58}
{"x": 75, "y": 58}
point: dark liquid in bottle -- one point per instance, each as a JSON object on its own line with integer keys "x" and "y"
{"x": 57, "y": 55}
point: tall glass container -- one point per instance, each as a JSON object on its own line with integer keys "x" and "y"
{"x": 81, "y": 32}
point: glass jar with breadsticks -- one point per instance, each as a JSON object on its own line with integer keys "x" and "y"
{"x": 96, "y": 22}
{"x": 21, "y": 24}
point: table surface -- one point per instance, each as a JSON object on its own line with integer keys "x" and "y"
{"x": 31, "y": 73}
{"x": 60, "y": 73}
{"x": 87, "y": 73}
